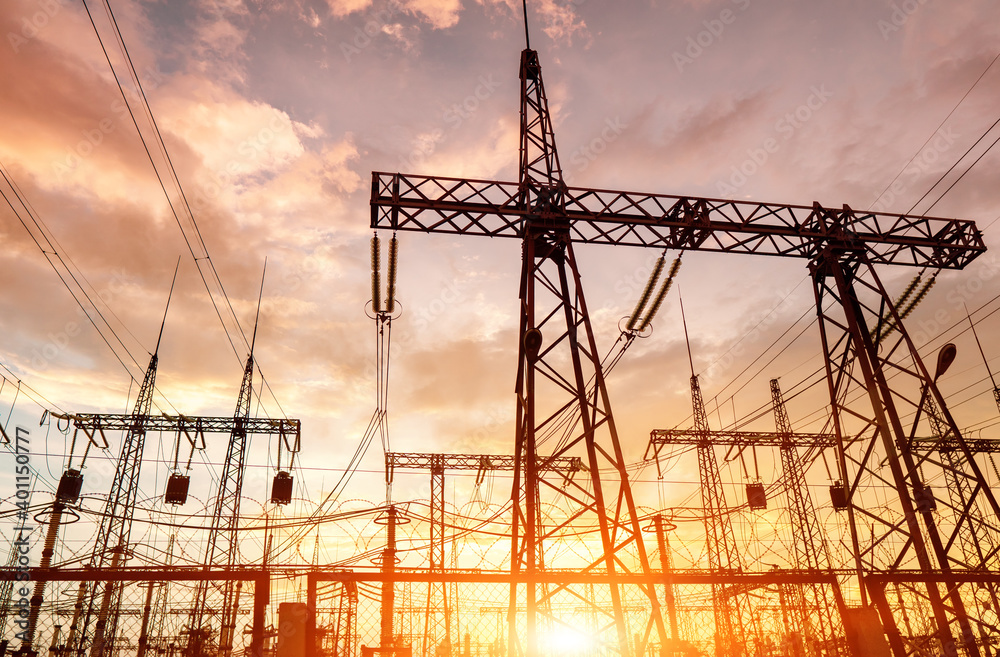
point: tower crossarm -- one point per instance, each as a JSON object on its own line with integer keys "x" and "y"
{"x": 661, "y": 437}
{"x": 975, "y": 445}
{"x": 99, "y": 422}
{"x": 425, "y": 461}
{"x": 594, "y": 216}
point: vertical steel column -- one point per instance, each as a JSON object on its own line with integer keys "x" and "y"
{"x": 389, "y": 585}
{"x": 669, "y": 595}
{"x": 857, "y": 347}
{"x": 312, "y": 647}
{"x": 261, "y": 596}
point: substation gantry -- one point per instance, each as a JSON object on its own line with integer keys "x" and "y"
{"x": 98, "y": 600}
{"x": 112, "y": 545}
{"x": 813, "y": 606}
{"x": 560, "y": 374}
{"x": 436, "y": 615}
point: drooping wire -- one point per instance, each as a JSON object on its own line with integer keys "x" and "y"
{"x": 943, "y": 121}
{"x": 967, "y": 170}
{"x": 53, "y": 255}
{"x": 378, "y": 423}
{"x": 186, "y": 209}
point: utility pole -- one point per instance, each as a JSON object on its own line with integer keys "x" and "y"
{"x": 814, "y": 603}
{"x": 111, "y": 546}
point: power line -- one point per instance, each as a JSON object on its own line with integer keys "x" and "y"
{"x": 943, "y": 121}
{"x": 185, "y": 206}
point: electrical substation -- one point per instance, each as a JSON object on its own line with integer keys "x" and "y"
{"x": 878, "y": 536}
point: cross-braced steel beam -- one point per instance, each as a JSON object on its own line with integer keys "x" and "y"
{"x": 562, "y": 397}
{"x": 875, "y": 449}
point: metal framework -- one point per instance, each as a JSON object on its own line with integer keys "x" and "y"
{"x": 568, "y": 465}
{"x": 875, "y": 449}
{"x": 99, "y": 423}
{"x": 661, "y": 221}
{"x": 553, "y": 577}
{"x": 814, "y": 609}
{"x": 570, "y": 408}
{"x": 436, "y": 464}
{"x": 841, "y": 245}
{"x": 660, "y": 438}
{"x": 222, "y": 549}
{"x": 977, "y": 537}
{"x": 111, "y": 546}
{"x": 120, "y": 576}
{"x": 736, "y": 625}
{"x": 437, "y": 610}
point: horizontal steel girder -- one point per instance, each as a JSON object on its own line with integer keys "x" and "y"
{"x": 593, "y": 216}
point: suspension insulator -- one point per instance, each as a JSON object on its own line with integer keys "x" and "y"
{"x": 908, "y": 291}
{"x": 376, "y": 282}
{"x": 910, "y": 307}
{"x": 674, "y": 268}
{"x": 654, "y": 276}
{"x": 390, "y": 290}
{"x": 920, "y": 297}
{"x": 661, "y": 295}
{"x": 890, "y": 326}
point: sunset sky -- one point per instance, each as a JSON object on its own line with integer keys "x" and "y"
{"x": 276, "y": 113}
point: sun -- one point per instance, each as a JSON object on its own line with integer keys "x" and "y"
{"x": 566, "y": 640}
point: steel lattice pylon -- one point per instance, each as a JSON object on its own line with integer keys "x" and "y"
{"x": 871, "y": 439}
{"x": 111, "y": 546}
{"x": 560, "y": 383}
{"x": 222, "y": 549}
{"x": 568, "y": 403}
{"x": 735, "y": 624}
{"x": 815, "y": 604}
